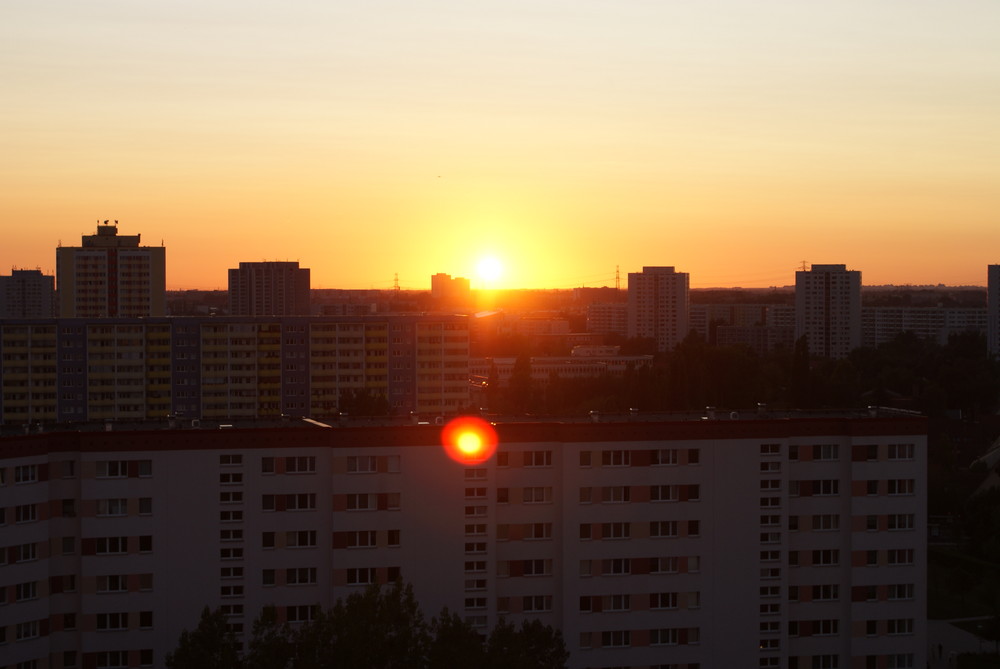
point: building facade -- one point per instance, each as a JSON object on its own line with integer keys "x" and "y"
{"x": 993, "y": 308}
{"x": 27, "y": 293}
{"x": 658, "y": 306}
{"x": 110, "y": 275}
{"x": 828, "y": 309}
{"x": 880, "y": 325}
{"x": 59, "y": 370}
{"x": 699, "y": 544}
{"x": 269, "y": 289}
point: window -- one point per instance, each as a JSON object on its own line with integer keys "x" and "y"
{"x": 900, "y": 486}
{"x": 536, "y": 603}
{"x": 901, "y": 451}
{"x": 537, "y": 495}
{"x": 538, "y": 458}
{"x": 361, "y": 576}
{"x": 770, "y": 449}
{"x": 230, "y": 572}
{"x": 145, "y": 506}
{"x": 230, "y": 535}
{"x": 27, "y": 630}
{"x": 25, "y": 513}
{"x": 826, "y": 593}
{"x": 145, "y": 469}
{"x": 901, "y": 591}
{"x": 230, "y": 460}
{"x": 231, "y": 497}
{"x": 616, "y": 494}
{"x": 476, "y": 493}
{"x": 665, "y": 565}
{"x": 663, "y": 600}
{"x": 145, "y": 620}
{"x": 664, "y": 456}
{"x": 615, "y": 530}
{"x": 770, "y": 467}
{"x": 25, "y": 591}
{"x": 824, "y": 522}
{"x": 871, "y": 523}
{"x": 619, "y": 603}
{"x": 112, "y": 507}
{"x": 112, "y": 659}
{"x": 230, "y": 516}
{"x": 770, "y": 502}
{"x": 584, "y": 458}
{"x": 537, "y": 567}
{"x": 825, "y": 662}
{"x": 267, "y": 465}
{"x": 770, "y": 485}
{"x": 300, "y": 614}
{"x": 826, "y": 487}
{"x": 230, "y": 591}
{"x": 108, "y": 622}
{"x": 616, "y": 567}
{"x": 300, "y": 539}
{"x": 230, "y": 553}
{"x": 619, "y": 458}
{"x": 112, "y": 469}
{"x": 897, "y": 626}
{"x": 300, "y": 502}
{"x": 267, "y": 577}
{"x": 770, "y": 556}
{"x": 825, "y": 452}
{"x": 901, "y": 521}
{"x": 770, "y": 537}
{"x": 111, "y": 545}
{"x": 871, "y": 487}
{"x": 305, "y": 464}
{"x": 231, "y": 478}
{"x": 474, "y": 474}
{"x": 826, "y": 558}
{"x": 900, "y": 556}
{"x": 475, "y": 565}
{"x": 770, "y": 521}
{"x": 663, "y": 493}
{"x": 300, "y": 576}
{"x": 26, "y": 474}
{"x": 112, "y": 583}
{"x": 616, "y": 639}
{"x": 659, "y": 529}
{"x": 360, "y": 502}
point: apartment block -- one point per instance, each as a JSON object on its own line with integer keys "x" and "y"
{"x": 27, "y": 293}
{"x": 110, "y": 275}
{"x": 658, "y": 306}
{"x": 59, "y": 370}
{"x": 269, "y": 289}
{"x": 697, "y": 544}
{"x": 828, "y": 309}
{"x": 880, "y": 325}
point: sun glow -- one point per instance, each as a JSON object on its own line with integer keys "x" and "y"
{"x": 489, "y": 270}
{"x": 468, "y": 440}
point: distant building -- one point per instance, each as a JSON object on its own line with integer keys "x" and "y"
{"x": 27, "y": 293}
{"x": 269, "y": 289}
{"x": 111, "y": 276}
{"x": 828, "y": 309}
{"x": 993, "y": 308}
{"x": 880, "y": 325}
{"x": 229, "y": 367}
{"x": 608, "y": 318}
{"x": 658, "y": 305}
{"x": 448, "y": 291}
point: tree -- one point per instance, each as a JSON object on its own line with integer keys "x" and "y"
{"x": 392, "y": 616}
{"x": 209, "y": 646}
{"x": 533, "y": 646}
{"x": 270, "y": 645}
{"x": 454, "y": 644}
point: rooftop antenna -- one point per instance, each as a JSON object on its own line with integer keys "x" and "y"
{"x": 618, "y": 279}
{"x": 395, "y": 282}
{"x": 804, "y": 263}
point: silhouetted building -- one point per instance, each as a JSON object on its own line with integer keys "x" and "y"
{"x": 706, "y": 543}
{"x": 608, "y": 318}
{"x": 828, "y": 309}
{"x": 269, "y": 289}
{"x": 880, "y": 325}
{"x": 448, "y": 291}
{"x": 27, "y": 293}
{"x": 111, "y": 276}
{"x": 993, "y": 309}
{"x": 658, "y": 306}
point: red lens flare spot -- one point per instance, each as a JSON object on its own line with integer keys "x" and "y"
{"x": 468, "y": 440}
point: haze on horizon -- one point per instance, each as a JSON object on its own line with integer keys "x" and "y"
{"x": 732, "y": 140}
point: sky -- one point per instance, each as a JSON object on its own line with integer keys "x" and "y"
{"x": 731, "y": 139}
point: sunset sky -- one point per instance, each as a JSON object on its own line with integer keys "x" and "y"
{"x": 732, "y": 139}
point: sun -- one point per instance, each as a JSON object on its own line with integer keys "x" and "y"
{"x": 489, "y": 269}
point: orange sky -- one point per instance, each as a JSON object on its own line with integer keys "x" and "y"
{"x": 733, "y": 140}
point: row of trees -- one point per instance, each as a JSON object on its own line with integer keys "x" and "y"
{"x": 909, "y": 372}
{"x": 381, "y": 628}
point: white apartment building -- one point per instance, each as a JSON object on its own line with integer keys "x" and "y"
{"x": 658, "y": 306}
{"x": 688, "y": 544}
{"x": 828, "y": 309}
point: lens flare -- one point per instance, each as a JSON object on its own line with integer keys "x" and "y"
{"x": 468, "y": 440}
